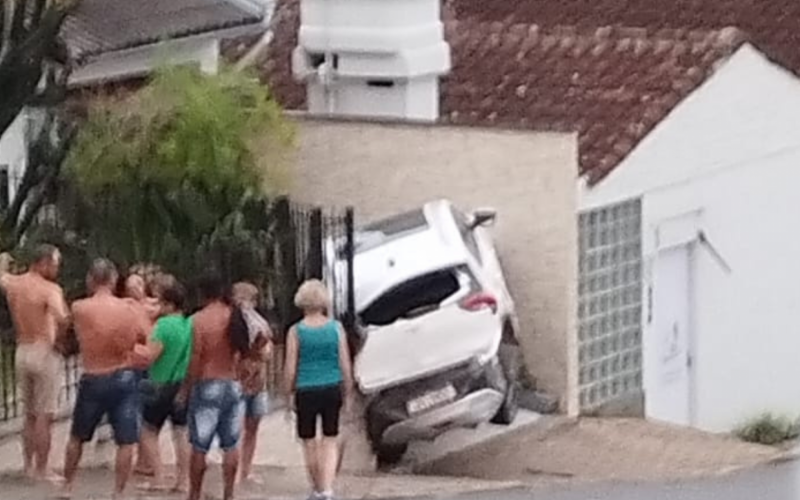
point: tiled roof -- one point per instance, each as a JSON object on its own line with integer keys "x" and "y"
{"x": 611, "y": 85}
{"x": 772, "y": 25}
{"x": 98, "y": 26}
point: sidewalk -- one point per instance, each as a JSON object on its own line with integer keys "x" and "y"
{"x": 603, "y": 450}
{"x": 279, "y": 469}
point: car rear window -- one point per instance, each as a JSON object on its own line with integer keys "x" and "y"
{"x": 413, "y": 298}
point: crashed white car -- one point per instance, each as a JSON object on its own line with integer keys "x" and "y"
{"x": 439, "y": 347}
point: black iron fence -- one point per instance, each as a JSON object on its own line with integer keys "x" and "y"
{"x": 291, "y": 243}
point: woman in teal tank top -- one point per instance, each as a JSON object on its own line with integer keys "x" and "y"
{"x": 319, "y": 379}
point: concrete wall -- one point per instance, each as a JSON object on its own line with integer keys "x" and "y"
{"x": 729, "y": 156}
{"x": 528, "y": 177}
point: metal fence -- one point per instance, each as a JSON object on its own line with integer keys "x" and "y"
{"x": 291, "y": 251}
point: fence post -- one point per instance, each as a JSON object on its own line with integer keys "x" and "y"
{"x": 314, "y": 258}
{"x": 286, "y": 263}
{"x": 350, "y": 290}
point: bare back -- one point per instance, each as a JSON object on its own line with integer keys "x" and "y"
{"x": 108, "y": 328}
{"x": 213, "y": 356}
{"x": 37, "y": 307}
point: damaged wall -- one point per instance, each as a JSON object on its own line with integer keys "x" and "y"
{"x": 529, "y": 177}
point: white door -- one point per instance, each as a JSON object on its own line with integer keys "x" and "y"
{"x": 669, "y": 392}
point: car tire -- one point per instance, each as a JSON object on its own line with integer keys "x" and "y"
{"x": 509, "y": 360}
{"x": 386, "y": 455}
{"x": 389, "y": 455}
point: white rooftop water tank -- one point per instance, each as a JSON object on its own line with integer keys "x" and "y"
{"x": 372, "y": 58}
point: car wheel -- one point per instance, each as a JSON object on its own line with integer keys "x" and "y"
{"x": 508, "y": 412}
{"x": 509, "y": 359}
{"x": 387, "y": 455}
{"x": 390, "y": 455}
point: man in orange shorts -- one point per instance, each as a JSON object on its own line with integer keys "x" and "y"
{"x": 41, "y": 317}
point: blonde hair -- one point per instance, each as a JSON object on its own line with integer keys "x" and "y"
{"x": 312, "y": 295}
{"x": 244, "y": 292}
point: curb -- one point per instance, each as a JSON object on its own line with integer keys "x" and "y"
{"x": 543, "y": 425}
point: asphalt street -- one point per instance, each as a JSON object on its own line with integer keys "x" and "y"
{"x": 779, "y": 482}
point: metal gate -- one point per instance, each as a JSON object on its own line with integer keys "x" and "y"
{"x": 610, "y": 306}
{"x": 294, "y": 246}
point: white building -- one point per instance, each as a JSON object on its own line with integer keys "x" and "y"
{"x": 717, "y": 180}
{"x": 688, "y": 155}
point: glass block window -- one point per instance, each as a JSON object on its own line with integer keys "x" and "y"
{"x": 610, "y": 303}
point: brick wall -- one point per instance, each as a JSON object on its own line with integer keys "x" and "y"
{"x": 529, "y": 177}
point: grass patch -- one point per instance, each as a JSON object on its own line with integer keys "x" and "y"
{"x": 769, "y": 429}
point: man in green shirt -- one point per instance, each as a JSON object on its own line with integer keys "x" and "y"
{"x": 169, "y": 351}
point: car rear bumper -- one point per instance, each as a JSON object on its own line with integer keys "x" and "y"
{"x": 473, "y": 409}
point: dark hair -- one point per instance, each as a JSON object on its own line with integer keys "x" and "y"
{"x": 175, "y": 294}
{"x": 210, "y": 287}
{"x": 103, "y": 272}
{"x": 43, "y": 252}
{"x": 239, "y": 331}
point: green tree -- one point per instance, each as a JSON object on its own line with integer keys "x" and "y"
{"x": 34, "y": 69}
{"x": 154, "y": 176}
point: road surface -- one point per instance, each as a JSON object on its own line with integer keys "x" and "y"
{"x": 779, "y": 482}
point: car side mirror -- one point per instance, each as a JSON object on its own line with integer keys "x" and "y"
{"x": 483, "y": 217}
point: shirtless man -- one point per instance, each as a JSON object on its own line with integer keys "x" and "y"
{"x": 135, "y": 289}
{"x": 40, "y": 318}
{"x": 108, "y": 329}
{"x": 215, "y": 406}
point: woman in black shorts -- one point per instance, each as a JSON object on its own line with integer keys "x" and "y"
{"x": 319, "y": 377}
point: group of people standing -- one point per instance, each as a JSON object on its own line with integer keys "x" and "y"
{"x": 147, "y": 361}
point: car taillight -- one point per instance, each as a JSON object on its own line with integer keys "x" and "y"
{"x": 479, "y": 301}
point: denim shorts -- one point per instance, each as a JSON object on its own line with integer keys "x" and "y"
{"x": 256, "y": 405}
{"x": 216, "y": 409}
{"x": 116, "y": 396}
{"x": 163, "y": 405}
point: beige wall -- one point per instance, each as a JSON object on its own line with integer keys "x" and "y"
{"x": 529, "y": 177}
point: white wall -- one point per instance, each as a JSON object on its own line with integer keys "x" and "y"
{"x": 13, "y": 152}
{"x": 392, "y": 41}
{"x": 203, "y": 51}
{"x": 731, "y": 150}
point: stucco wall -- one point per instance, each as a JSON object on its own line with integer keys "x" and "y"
{"x": 528, "y": 177}
{"x": 729, "y": 155}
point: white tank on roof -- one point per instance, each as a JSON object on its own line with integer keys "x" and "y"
{"x": 372, "y": 58}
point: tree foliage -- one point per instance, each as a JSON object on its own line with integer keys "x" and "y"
{"x": 157, "y": 174}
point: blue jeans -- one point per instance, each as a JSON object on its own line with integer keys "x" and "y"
{"x": 116, "y": 396}
{"x": 256, "y": 405}
{"x": 215, "y": 410}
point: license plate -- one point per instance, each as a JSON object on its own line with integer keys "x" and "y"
{"x": 431, "y": 400}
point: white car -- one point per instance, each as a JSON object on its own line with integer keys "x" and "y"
{"x": 439, "y": 327}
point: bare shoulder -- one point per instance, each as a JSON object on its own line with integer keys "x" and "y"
{"x": 9, "y": 281}
{"x": 54, "y": 290}
{"x": 79, "y": 306}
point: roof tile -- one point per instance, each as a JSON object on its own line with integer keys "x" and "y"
{"x": 99, "y": 26}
